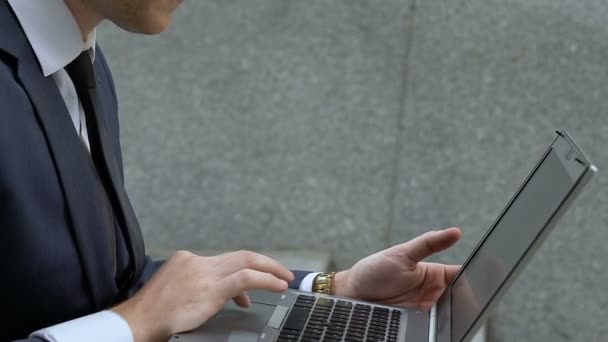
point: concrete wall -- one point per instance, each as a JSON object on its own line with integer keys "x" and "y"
{"x": 353, "y": 125}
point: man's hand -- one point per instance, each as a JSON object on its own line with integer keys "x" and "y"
{"x": 397, "y": 276}
{"x": 190, "y": 289}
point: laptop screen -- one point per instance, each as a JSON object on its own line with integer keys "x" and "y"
{"x": 512, "y": 236}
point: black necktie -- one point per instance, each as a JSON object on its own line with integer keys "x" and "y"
{"x": 83, "y": 76}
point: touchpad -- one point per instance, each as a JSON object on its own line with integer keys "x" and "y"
{"x": 233, "y": 324}
{"x": 242, "y": 336}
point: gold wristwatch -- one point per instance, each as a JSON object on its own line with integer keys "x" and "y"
{"x": 323, "y": 283}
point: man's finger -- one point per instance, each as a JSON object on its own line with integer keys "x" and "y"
{"x": 430, "y": 243}
{"x": 242, "y": 300}
{"x": 450, "y": 272}
{"x": 236, "y": 261}
{"x": 248, "y": 279}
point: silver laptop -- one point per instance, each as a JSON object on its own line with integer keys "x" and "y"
{"x": 512, "y": 239}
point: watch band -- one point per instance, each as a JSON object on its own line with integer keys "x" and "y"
{"x": 323, "y": 283}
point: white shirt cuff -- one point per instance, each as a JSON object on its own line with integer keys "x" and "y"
{"x": 306, "y": 284}
{"x": 99, "y": 327}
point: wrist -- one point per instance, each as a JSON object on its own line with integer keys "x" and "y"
{"x": 143, "y": 327}
{"x": 340, "y": 284}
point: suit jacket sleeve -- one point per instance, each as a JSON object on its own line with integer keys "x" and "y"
{"x": 150, "y": 267}
{"x": 299, "y": 275}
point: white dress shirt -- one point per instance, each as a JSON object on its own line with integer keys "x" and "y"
{"x": 56, "y": 40}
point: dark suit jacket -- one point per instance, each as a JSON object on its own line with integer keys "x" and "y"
{"x": 57, "y": 233}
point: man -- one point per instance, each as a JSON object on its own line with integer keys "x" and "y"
{"x": 72, "y": 250}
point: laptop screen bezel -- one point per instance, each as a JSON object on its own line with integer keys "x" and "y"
{"x": 577, "y": 184}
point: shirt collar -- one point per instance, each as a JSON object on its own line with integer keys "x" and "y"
{"x": 52, "y": 32}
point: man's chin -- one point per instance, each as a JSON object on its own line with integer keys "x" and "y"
{"x": 148, "y": 27}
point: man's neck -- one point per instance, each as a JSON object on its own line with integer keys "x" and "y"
{"x": 85, "y": 15}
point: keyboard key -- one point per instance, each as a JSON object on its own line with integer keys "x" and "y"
{"x": 333, "y": 335}
{"x": 321, "y": 310}
{"x": 320, "y": 316}
{"x": 357, "y": 325}
{"x": 337, "y": 328}
{"x": 353, "y": 338}
{"x": 344, "y": 304}
{"x": 304, "y": 304}
{"x": 315, "y": 326}
{"x": 306, "y": 297}
{"x": 285, "y": 339}
{"x": 340, "y": 317}
{"x": 377, "y": 324}
{"x": 290, "y": 336}
{"x": 325, "y": 302}
{"x": 313, "y": 330}
{"x": 374, "y": 326}
{"x": 376, "y": 331}
{"x": 374, "y": 339}
{"x": 360, "y": 315}
{"x": 356, "y": 330}
{"x": 310, "y": 339}
{"x": 362, "y": 307}
{"x": 312, "y": 334}
{"x": 337, "y": 325}
{"x": 296, "y": 319}
{"x": 290, "y": 331}
{"x": 341, "y": 313}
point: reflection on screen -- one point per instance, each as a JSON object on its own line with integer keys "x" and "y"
{"x": 508, "y": 242}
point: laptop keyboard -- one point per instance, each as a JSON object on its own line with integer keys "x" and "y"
{"x": 315, "y": 319}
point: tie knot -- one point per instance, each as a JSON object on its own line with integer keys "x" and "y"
{"x": 81, "y": 71}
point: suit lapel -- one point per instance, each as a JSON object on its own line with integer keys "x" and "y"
{"x": 91, "y": 232}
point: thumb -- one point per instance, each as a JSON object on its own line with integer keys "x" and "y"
{"x": 242, "y": 300}
{"x": 430, "y": 243}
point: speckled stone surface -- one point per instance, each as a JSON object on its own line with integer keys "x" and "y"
{"x": 488, "y": 83}
{"x": 260, "y": 124}
{"x": 353, "y": 125}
